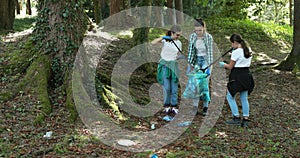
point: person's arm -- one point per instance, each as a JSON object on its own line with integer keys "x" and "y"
{"x": 230, "y": 65}
{"x": 157, "y": 40}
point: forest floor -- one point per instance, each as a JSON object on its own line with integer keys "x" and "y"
{"x": 274, "y": 130}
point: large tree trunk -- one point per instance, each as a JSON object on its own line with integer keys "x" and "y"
{"x": 58, "y": 34}
{"x": 293, "y": 60}
{"x": 7, "y": 14}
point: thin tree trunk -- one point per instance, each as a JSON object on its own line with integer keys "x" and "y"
{"x": 159, "y": 13}
{"x": 18, "y": 7}
{"x": 97, "y": 11}
{"x": 28, "y": 7}
{"x": 170, "y": 12}
{"x": 293, "y": 60}
{"x": 291, "y": 12}
{"x": 179, "y": 13}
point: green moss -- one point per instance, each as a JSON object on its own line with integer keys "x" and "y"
{"x": 39, "y": 119}
{"x": 36, "y": 81}
{"x": 70, "y": 104}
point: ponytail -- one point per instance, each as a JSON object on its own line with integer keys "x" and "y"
{"x": 247, "y": 52}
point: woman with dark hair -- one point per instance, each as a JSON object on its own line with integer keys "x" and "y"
{"x": 168, "y": 71}
{"x": 240, "y": 79}
{"x": 200, "y": 55}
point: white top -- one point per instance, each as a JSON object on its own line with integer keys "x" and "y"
{"x": 169, "y": 50}
{"x": 240, "y": 61}
{"x": 200, "y": 46}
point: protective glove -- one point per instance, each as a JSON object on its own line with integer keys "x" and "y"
{"x": 188, "y": 70}
{"x": 207, "y": 71}
{"x": 222, "y": 64}
{"x": 167, "y": 37}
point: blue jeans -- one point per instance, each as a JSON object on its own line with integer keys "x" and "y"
{"x": 202, "y": 62}
{"x": 234, "y": 107}
{"x": 170, "y": 90}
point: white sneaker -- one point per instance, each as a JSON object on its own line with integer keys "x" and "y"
{"x": 167, "y": 110}
{"x": 175, "y": 110}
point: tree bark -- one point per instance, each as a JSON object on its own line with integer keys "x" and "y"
{"x": 58, "y": 34}
{"x": 28, "y": 7}
{"x": 7, "y": 14}
{"x": 18, "y": 7}
{"x": 293, "y": 59}
{"x": 114, "y": 7}
{"x": 291, "y": 12}
{"x": 159, "y": 14}
{"x": 179, "y": 13}
{"x": 170, "y": 13}
{"x": 97, "y": 11}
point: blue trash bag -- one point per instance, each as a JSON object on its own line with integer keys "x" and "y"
{"x": 197, "y": 86}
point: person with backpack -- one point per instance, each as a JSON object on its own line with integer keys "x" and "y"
{"x": 168, "y": 70}
{"x": 240, "y": 79}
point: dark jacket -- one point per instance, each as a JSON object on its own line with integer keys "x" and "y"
{"x": 240, "y": 79}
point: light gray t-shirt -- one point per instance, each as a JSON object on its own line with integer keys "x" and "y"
{"x": 200, "y": 46}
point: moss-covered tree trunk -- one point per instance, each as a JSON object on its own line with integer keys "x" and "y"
{"x": 292, "y": 62}
{"x": 97, "y": 11}
{"x": 58, "y": 34}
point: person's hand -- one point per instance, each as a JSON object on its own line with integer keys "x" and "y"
{"x": 180, "y": 56}
{"x": 167, "y": 37}
{"x": 188, "y": 69}
{"x": 222, "y": 64}
{"x": 207, "y": 71}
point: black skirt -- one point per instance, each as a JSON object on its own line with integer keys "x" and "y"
{"x": 240, "y": 79}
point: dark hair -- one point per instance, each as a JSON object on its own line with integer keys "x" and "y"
{"x": 174, "y": 28}
{"x": 199, "y": 22}
{"x": 238, "y": 38}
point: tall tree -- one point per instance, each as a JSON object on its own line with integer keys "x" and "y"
{"x": 140, "y": 35}
{"x": 28, "y": 7}
{"x": 97, "y": 11}
{"x": 7, "y": 14}
{"x": 159, "y": 14}
{"x": 114, "y": 7}
{"x": 291, "y": 12}
{"x": 170, "y": 12}
{"x": 58, "y": 34}
{"x": 18, "y": 7}
{"x": 292, "y": 62}
{"x": 179, "y": 14}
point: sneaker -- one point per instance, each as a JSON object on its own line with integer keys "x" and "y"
{"x": 204, "y": 113}
{"x": 167, "y": 110}
{"x": 175, "y": 110}
{"x": 235, "y": 121}
{"x": 245, "y": 122}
